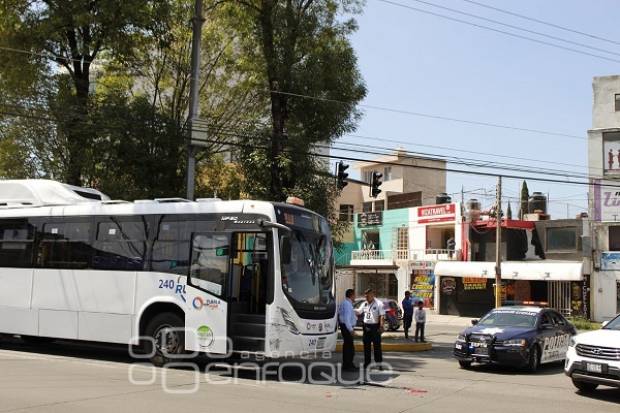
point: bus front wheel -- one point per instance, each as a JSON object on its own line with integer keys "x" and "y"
{"x": 165, "y": 338}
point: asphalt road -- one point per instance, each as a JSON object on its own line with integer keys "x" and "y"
{"x": 70, "y": 377}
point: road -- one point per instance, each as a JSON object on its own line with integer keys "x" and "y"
{"x": 70, "y": 377}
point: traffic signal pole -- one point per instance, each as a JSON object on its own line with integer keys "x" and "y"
{"x": 498, "y": 244}
{"x": 194, "y": 102}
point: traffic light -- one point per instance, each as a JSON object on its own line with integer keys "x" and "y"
{"x": 341, "y": 175}
{"x": 375, "y": 184}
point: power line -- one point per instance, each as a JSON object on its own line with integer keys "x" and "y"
{"x": 431, "y": 116}
{"x": 557, "y": 26}
{"x": 475, "y": 16}
{"x": 357, "y": 159}
{"x": 480, "y": 163}
{"x": 480, "y": 26}
{"x": 376, "y": 107}
{"x": 449, "y": 148}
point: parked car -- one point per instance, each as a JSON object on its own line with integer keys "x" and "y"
{"x": 393, "y": 313}
{"x": 593, "y": 358}
{"x": 517, "y": 336}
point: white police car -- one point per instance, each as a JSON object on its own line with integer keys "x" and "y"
{"x": 517, "y": 336}
{"x": 593, "y": 358}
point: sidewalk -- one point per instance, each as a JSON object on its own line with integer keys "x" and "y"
{"x": 451, "y": 320}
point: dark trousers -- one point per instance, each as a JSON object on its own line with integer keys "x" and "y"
{"x": 348, "y": 349}
{"x": 372, "y": 336}
{"x": 407, "y": 318}
{"x": 419, "y": 328}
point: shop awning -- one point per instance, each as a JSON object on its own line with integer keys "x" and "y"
{"x": 514, "y": 270}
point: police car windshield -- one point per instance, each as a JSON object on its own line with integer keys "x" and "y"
{"x": 509, "y": 318}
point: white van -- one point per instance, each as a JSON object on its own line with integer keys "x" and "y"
{"x": 593, "y": 358}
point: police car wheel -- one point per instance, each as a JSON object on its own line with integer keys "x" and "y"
{"x": 584, "y": 386}
{"x": 534, "y": 360}
{"x": 464, "y": 364}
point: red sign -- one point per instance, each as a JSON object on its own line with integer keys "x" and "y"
{"x": 436, "y": 213}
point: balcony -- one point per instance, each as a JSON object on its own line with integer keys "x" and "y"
{"x": 390, "y": 257}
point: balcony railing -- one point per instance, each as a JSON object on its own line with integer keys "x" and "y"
{"x": 430, "y": 254}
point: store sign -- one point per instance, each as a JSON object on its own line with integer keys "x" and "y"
{"x": 423, "y": 286}
{"x": 436, "y": 213}
{"x": 421, "y": 265}
{"x": 610, "y": 261}
{"x": 606, "y": 202}
{"x": 366, "y": 219}
{"x": 448, "y": 285}
{"x": 474, "y": 283}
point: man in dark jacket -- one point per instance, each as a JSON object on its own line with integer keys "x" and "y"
{"x": 407, "y": 304}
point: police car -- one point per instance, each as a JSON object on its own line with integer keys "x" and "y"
{"x": 517, "y": 336}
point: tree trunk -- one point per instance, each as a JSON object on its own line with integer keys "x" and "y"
{"x": 77, "y": 128}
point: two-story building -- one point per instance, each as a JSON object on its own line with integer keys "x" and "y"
{"x": 604, "y": 171}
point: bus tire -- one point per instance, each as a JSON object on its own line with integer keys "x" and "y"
{"x": 168, "y": 326}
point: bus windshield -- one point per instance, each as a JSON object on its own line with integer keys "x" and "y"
{"x": 307, "y": 263}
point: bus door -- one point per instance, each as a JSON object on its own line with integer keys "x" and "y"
{"x": 206, "y": 319}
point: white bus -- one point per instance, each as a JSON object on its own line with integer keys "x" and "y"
{"x": 238, "y": 276}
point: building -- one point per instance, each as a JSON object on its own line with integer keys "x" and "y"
{"x": 604, "y": 206}
{"x": 396, "y": 250}
{"x": 542, "y": 264}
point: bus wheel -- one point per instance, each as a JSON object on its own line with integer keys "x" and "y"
{"x": 167, "y": 333}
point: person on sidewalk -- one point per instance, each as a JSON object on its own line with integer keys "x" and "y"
{"x": 419, "y": 316}
{"x": 347, "y": 320}
{"x": 374, "y": 317}
{"x": 407, "y": 305}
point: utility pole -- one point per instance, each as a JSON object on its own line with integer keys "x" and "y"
{"x": 194, "y": 100}
{"x": 498, "y": 244}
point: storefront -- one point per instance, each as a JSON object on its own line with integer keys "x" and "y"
{"x": 467, "y": 288}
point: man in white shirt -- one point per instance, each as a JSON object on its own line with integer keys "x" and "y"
{"x": 374, "y": 316}
{"x": 419, "y": 315}
{"x": 347, "y": 321}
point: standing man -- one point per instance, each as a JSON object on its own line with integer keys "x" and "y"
{"x": 420, "y": 321}
{"x": 347, "y": 320}
{"x": 374, "y": 316}
{"x": 407, "y": 313}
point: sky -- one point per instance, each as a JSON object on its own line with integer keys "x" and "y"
{"x": 422, "y": 63}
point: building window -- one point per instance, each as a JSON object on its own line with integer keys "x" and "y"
{"x": 346, "y": 213}
{"x": 617, "y": 102}
{"x": 614, "y": 238}
{"x": 561, "y": 239}
{"x": 387, "y": 173}
{"x": 379, "y": 206}
{"x": 367, "y": 207}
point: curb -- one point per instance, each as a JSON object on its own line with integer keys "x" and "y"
{"x": 392, "y": 347}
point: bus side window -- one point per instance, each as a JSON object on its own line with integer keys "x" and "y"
{"x": 171, "y": 247}
{"x": 120, "y": 245}
{"x": 65, "y": 245}
{"x": 16, "y": 243}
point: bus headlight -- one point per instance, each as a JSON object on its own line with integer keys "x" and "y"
{"x": 288, "y": 320}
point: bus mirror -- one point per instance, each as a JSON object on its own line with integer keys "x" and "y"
{"x": 285, "y": 250}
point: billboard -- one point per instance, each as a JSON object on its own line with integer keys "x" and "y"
{"x": 611, "y": 153}
{"x": 436, "y": 213}
{"x": 606, "y": 201}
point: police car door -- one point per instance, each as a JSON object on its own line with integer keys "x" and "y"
{"x": 549, "y": 339}
{"x": 563, "y": 333}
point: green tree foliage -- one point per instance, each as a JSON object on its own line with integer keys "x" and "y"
{"x": 301, "y": 48}
{"x": 525, "y": 195}
{"x": 48, "y": 37}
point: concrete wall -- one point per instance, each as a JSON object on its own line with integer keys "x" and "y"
{"x": 604, "y": 114}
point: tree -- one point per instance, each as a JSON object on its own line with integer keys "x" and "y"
{"x": 525, "y": 195}
{"x": 296, "y": 45}
{"x": 64, "y": 36}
